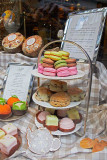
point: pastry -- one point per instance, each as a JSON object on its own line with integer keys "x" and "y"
{"x": 63, "y": 72}
{"x": 60, "y": 63}
{"x": 51, "y": 122}
{"x": 57, "y": 86}
{"x": 32, "y": 46}
{"x": 43, "y": 94}
{"x": 10, "y": 129}
{"x": 49, "y": 72}
{"x": 19, "y": 108}
{"x": 5, "y": 111}
{"x": 13, "y": 42}
{"x": 61, "y": 113}
{"x": 12, "y": 99}
{"x": 41, "y": 116}
{"x": 2, "y": 133}
{"x": 65, "y": 55}
{"x": 40, "y": 68}
{"x": 50, "y": 110}
{"x": 76, "y": 94}
{"x": 70, "y": 60}
{"x": 8, "y": 144}
{"x": 48, "y": 61}
{"x": 53, "y": 55}
{"x": 74, "y": 115}
{"x": 66, "y": 125}
{"x": 73, "y": 70}
{"x": 60, "y": 99}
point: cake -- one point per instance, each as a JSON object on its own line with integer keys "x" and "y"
{"x": 8, "y": 144}
{"x": 5, "y": 111}
{"x": 50, "y": 110}
{"x": 74, "y": 115}
{"x": 2, "y": 133}
{"x": 32, "y": 46}
{"x": 62, "y": 113}
{"x": 51, "y": 122}
{"x": 66, "y": 125}
{"x": 60, "y": 99}
{"x": 57, "y": 86}
{"x": 41, "y": 116}
{"x": 13, "y": 42}
{"x": 19, "y": 108}
{"x": 10, "y": 129}
{"x": 43, "y": 94}
{"x": 76, "y": 94}
{"x": 12, "y": 99}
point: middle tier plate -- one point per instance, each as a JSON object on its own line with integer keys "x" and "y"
{"x": 47, "y": 104}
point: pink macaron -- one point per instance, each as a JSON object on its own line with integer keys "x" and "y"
{"x": 72, "y": 68}
{"x": 50, "y": 70}
{"x": 62, "y": 69}
{"x": 49, "y": 73}
{"x": 73, "y": 72}
{"x": 40, "y": 71}
{"x": 63, "y": 73}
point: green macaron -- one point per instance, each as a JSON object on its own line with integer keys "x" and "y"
{"x": 60, "y": 63}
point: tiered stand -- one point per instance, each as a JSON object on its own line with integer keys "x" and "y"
{"x": 79, "y": 75}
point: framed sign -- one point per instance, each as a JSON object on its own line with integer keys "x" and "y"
{"x": 84, "y": 28}
{"x": 18, "y": 81}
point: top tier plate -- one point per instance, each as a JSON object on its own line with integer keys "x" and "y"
{"x": 79, "y": 75}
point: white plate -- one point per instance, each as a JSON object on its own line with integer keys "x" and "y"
{"x": 60, "y": 133}
{"x": 79, "y": 75}
{"x": 47, "y": 104}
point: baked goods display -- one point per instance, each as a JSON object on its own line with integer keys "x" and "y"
{"x": 32, "y": 46}
{"x": 12, "y": 107}
{"x": 57, "y": 63}
{"x": 58, "y": 94}
{"x": 13, "y": 42}
{"x": 10, "y": 140}
{"x": 62, "y": 120}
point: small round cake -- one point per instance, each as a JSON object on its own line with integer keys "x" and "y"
{"x": 32, "y": 46}
{"x": 5, "y": 111}
{"x": 66, "y": 125}
{"x": 13, "y": 42}
{"x": 19, "y": 108}
{"x": 41, "y": 116}
{"x": 60, "y": 99}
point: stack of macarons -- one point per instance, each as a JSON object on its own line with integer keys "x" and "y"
{"x": 57, "y": 64}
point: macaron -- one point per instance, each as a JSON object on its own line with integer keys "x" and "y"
{"x": 53, "y": 55}
{"x": 65, "y": 55}
{"x": 63, "y": 73}
{"x": 49, "y": 72}
{"x": 62, "y": 69}
{"x": 60, "y": 63}
{"x": 48, "y": 61}
{"x": 70, "y": 60}
{"x": 73, "y": 70}
{"x": 47, "y": 65}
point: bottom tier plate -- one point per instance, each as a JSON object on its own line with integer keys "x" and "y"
{"x": 60, "y": 133}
